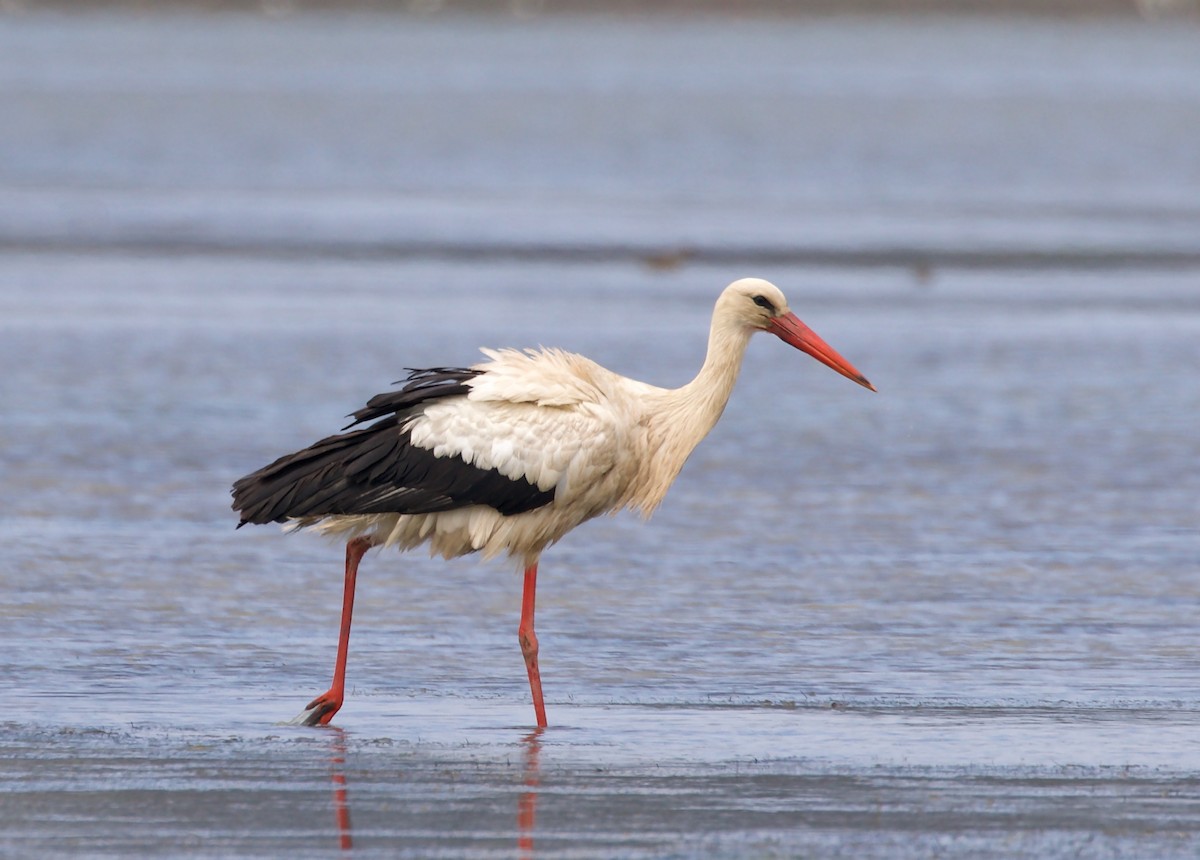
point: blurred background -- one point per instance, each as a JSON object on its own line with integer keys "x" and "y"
{"x": 957, "y": 616}
{"x": 755, "y": 133}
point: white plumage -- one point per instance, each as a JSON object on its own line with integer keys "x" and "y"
{"x": 511, "y": 454}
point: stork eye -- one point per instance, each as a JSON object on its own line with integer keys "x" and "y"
{"x": 764, "y": 303}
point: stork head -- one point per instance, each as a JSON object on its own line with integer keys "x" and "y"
{"x": 761, "y": 306}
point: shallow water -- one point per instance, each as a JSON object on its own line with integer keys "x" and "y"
{"x": 953, "y": 618}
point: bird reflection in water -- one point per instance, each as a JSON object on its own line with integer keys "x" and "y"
{"x": 527, "y": 802}
{"x": 337, "y": 774}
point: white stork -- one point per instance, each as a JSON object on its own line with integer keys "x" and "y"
{"x": 509, "y": 455}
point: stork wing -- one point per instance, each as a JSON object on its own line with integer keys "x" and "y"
{"x": 437, "y": 450}
{"x": 377, "y": 469}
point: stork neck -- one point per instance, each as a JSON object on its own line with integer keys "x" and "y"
{"x": 703, "y": 399}
{"x": 683, "y": 417}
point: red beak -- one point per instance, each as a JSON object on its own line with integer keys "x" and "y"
{"x": 789, "y": 329}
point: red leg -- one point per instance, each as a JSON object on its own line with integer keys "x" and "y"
{"x": 321, "y": 709}
{"x": 529, "y": 643}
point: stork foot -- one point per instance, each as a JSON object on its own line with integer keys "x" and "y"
{"x": 319, "y": 711}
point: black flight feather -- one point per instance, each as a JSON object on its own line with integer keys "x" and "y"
{"x": 377, "y": 470}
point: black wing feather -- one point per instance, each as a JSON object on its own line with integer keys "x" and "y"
{"x": 376, "y": 469}
{"x": 421, "y": 385}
